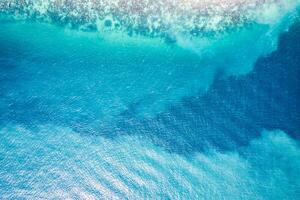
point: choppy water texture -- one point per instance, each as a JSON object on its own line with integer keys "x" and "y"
{"x": 138, "y": 99}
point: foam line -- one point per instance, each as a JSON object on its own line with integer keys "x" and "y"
{"x": 192, "y": 17}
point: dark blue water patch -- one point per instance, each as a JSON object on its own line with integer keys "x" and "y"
{"x": 234, "y": 110}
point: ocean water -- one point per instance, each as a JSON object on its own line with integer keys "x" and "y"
{"x": 149, "y": 100}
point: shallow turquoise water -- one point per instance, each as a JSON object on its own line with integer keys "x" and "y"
{"x": 111, "y": 115}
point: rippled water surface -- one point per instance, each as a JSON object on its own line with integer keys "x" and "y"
{"x": 149, "y": 100}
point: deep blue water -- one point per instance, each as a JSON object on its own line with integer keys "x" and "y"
{"x": 112, "y": 115}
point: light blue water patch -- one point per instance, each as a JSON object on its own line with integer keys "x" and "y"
{"x": 58, "y": 163}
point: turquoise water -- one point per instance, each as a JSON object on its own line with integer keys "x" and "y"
{"x": 119, "y": 104}
{"x": 54, "y": 162}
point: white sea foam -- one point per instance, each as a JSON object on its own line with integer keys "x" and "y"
{"x": 158, "y": 17}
